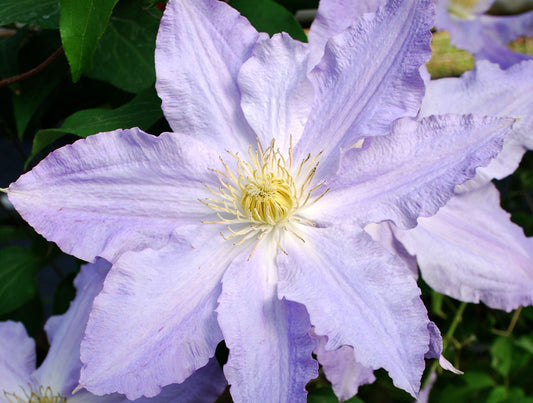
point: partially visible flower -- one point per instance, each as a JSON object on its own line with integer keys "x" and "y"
{"x": 246, "y": 223}
{"x": 470, "y": 249}
{"x": 485, "y": 36}
{"x": 57, "y": 377}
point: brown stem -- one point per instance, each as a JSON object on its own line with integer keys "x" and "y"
{"x": 35, "y": 70}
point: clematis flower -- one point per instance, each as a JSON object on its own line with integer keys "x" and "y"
{"x": 246, "y": 223}
{"x": 57, "y": 377}
{"x": 485, "y": 36}
{"x": 470, "y": 249}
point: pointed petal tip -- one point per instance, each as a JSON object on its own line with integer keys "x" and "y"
{"x": 447, "y": 365}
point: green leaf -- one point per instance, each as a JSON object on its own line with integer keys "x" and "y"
{"x": 322, "y": 395}
{"x": 65, "y": 293}
{"x": 142, "y": 111}
{"x": 477, "y": 380}
{"x": 32, "y": 93}
{"x": 9, "y": 50}
{"x": 497, "y": 395}
{"x": 17, "y": 277}
{"x": 436, "y": 304}
{"x": 295, "y": 5}
{"x": 268, "y": 16}
{"x": 31, "y": 314}
{"x": 9, "y": 233}
{"x": 525, "y": 342}
{"x": 125, "y": 53}
{"x": 82, "y": 23}
{"x": 326, "y": 395}
{"x": 502, "y": 353}
{"x": 43, "y": 13}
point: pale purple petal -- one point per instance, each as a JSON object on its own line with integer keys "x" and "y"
{"x": 489, "y": 90}
{"x": 448, "y": 366}
{"x": 499, "y": 53}
{"x": 276, "y": 94}
{"x": 117, "y": 191}
{"x": 508, "y": 28}
{"x": 17, "y": 357}
{"x": 155, "y": 318}
{"x": 413, "y": 171}
{"x": 367, "y": 78}
{"x": 342, "y": 369}
{"x": 359, "y": 295}
{"x": 472, "y": 251}
{"x": 384, "y": 235}
{"x": 204, "y": 386}
{"x": 61, "y": 368}
{"x": 333, "y": 17}
{"x": 435, "y": 341}
{"x": 270, "y": 349}
{"x": 200, "y": 48}
{"x": 423, "y": 396}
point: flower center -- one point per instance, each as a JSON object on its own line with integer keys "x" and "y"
{"x": 43, "y": 395}
{"x": 263, "y": 193}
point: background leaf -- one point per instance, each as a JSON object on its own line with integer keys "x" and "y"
{"x": 29, "y": 94}
{"x": 82, "y": 23}
{"x": 43, "y": 13}
{"x": 17, "y": 277}
{"x": 142, "y": 111}
{"x": 9, "y": 49}
{"x": 269, "y": 16}
{"x": 125, "y": 53}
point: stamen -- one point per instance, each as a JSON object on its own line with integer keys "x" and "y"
{"x": 263, "y": 194}
{"x": 43, "y": 395}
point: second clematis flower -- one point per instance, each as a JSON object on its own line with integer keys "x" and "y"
{"x": 245, "y": 223}
{"x": 56, "y": 379}
{"x": 485, "y": 36}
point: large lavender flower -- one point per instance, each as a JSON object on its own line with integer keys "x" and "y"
{"x": 245, "y": 224}
{"x": 57, "y": 377}
{"x": 470, "y": 249}
{"x": 485, "y": 36}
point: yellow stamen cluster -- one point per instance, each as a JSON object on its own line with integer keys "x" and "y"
{"x": 43, "y": 395}
{"x": 264, "y": 193}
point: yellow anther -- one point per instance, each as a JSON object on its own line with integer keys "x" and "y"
{"x": 262, "y": 193}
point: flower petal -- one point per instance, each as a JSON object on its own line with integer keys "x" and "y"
{"x": 155, "y": 317}
{"x": 384, "y": 235}
{"x": 116, "y": 191}
{"x": 367, "y": 78}
{"x": 204, "y": 386}
{"x": 413, "y": 171}
{"x": 17, "y": 357}
{"x": 359, "y": 295}
{"x": 342, "y": 370}
{"x": 200, "y": 48}
{"x": 270, "y": 357}
{"x": 489, "y": 90}
{"x": 276, "y": 94}
{"x": 333, "y": 17}
{"x": 508, "y": 28}
{"x": 471, "y": 251}
{"x": 61, "y": 368}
